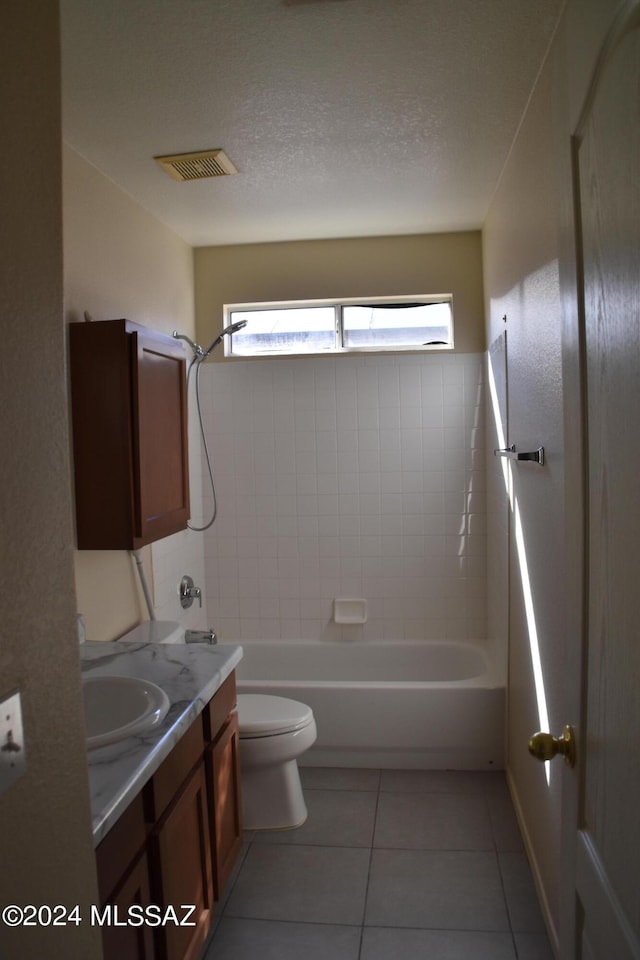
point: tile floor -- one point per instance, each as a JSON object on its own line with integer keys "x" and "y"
{"x": 390, "y": 865}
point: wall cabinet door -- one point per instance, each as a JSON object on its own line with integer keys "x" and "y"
{"x": 223, "y": 778}
{"x": 180, "y": 860}
{"x": 161, "y": 478}
{"x": 130, "y": 450}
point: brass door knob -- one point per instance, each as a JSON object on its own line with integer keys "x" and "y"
{"x": 544, "y": 746}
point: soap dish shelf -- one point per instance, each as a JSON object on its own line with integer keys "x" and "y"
{"x": 350, "y": 611}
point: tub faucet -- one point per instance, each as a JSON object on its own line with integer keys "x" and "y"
{"x": 200, "y": 636}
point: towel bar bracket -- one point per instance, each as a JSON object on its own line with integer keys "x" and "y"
{"x": 536, "y": 456}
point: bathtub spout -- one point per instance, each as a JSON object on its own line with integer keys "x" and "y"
{"x": 200, "y": 636}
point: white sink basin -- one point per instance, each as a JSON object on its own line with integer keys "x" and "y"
{"x": 119, "y": 707}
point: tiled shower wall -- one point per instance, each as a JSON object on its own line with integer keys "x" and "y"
{"x": 182, "y": 553}
{"x": 346, "y": 477}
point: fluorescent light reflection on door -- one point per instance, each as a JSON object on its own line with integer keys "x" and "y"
{"x": 527, "y": 594}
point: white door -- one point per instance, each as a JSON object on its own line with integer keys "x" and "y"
{"x": 601, "y": 849}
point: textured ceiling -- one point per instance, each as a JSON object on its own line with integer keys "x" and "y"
{"x": 345, "y": 118}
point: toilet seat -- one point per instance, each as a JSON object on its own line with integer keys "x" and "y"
{"x": 260, "y": 715}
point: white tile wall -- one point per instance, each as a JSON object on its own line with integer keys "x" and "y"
{"x": 499, "y": 479}
{"x": 347, "y": 477}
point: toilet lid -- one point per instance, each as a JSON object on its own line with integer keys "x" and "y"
{"x": 260, "y": 715}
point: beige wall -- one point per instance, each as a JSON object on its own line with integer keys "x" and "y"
{"x": 119, "y": 261}
{"x": 331, "y": 269}
{"x": 46, "y": 844}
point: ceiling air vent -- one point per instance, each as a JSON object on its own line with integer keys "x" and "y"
{"x": 197, "y": 166}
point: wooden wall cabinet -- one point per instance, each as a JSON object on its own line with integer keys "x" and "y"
{"x": 130, "y": 450}
{"x": 177, "y": 841}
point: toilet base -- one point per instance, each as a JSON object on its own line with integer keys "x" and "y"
{"x": 272, "y": 797}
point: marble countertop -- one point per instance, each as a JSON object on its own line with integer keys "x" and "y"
{"x": 189, "y": 674}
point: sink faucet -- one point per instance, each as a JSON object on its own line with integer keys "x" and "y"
{"x": 200, "y": 636}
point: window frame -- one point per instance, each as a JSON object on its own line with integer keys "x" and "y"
{"x": 338, "y": 305}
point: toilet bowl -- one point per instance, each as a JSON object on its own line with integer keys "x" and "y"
{"x": 274, "y": 732}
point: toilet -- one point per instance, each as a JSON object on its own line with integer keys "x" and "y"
{"x": 274, "y": 732}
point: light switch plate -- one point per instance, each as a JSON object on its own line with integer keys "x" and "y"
{"x": 13, "y": 758}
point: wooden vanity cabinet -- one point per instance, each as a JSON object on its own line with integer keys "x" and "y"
{"x": 222, "y": 768}
{"x": 180, "y": 864}
{"x": 130, "y": 942}
{"x": 123, "y": 880}
{"x": 179, "y": 846}
{"x": 129, "y": 419}
{"x": 177, "y": 841}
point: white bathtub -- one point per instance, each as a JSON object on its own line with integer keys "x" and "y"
{"x": 424, "y": 705}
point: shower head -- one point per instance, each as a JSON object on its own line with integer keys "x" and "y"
{"x": 232, "y": 328}
{"x": 198, "y": 353}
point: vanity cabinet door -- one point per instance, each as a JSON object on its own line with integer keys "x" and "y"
{"x": 223, "y": 779}
{"x": 123, "y": 882}
{"x": 180, "y": 861}
{"x": 121, "y": 847}
{"x": 129, "y": 942}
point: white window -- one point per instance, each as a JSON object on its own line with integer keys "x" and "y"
{"x": 346, "y": 326}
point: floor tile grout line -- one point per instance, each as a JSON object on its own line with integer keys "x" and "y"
{"x": 236, "y": 874}
{"x": 504, "y": 894}
{"x": 480, "y": 930}
{"x": 371, "y": 849}
{"x": 487, "y": 807}
{"x": 378, "y": 926}
{"x": 369, "y": 846}
{"x": 516, "y": 952}
{"x": 296, "y": 923}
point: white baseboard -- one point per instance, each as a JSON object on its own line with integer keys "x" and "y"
{"x": 535, "y": 870}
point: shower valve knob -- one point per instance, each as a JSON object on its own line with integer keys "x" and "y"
{"x": 188, "y": 592}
